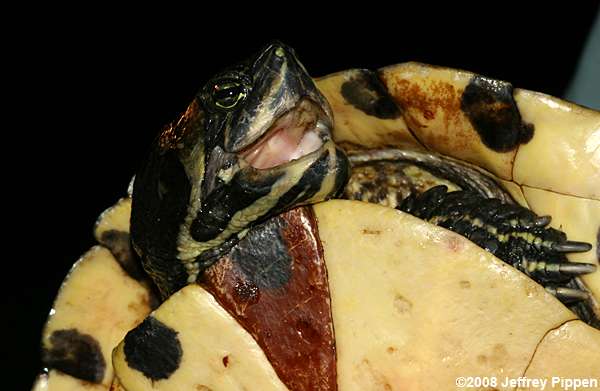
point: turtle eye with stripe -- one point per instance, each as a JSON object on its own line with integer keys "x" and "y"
{"x": 227, "y": 94}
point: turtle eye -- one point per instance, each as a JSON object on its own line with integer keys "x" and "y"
{"x": 227, "y": 94}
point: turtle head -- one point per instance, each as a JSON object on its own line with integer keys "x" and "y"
{"x": 255, "y": 142}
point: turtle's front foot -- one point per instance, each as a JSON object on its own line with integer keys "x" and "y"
{"x": 511, "y": 232}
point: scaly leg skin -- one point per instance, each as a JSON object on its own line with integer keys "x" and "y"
{"x": 514, "y": 234}
{"x": 477, "y": 208}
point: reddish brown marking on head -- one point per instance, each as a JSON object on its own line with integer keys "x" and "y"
{"x": 174, "y": 133}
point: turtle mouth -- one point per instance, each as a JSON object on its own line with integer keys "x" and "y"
{"x": 292, "y": 136}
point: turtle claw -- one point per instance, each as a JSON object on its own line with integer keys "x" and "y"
{"x": 408, "y": 204}
{"x": 554, "y": 272}
{"x": 571, "y": 247}
{"x": 542, "y": 221}
{"x": 567, "y": 295}
{"x": 576, "y": 269}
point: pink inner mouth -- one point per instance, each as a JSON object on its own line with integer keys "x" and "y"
{"x": 291, "y": 137}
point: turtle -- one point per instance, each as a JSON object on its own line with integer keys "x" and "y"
{"x": 223, "y": 200}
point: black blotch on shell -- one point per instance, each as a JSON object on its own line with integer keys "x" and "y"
{"x": 493, "y": 112}
{"x": 368, "y": 94}
{"x": 75, "y": 354}
{"x": 119, "y": 244}
{"x": 153, "y": 349}
{"x": 263, "y": 257}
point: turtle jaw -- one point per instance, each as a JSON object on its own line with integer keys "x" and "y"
{"x": 278, "y": 84}
{"x": 296, "y": 134}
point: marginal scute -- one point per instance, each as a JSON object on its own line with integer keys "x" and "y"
{"x": 354, "y": 126}
{"x": 207, "y": 333}
{"x": 566, "y": 137}
{"x": 580, "y": 218}
{"x": 153, "y": 349}
{"x": 75, "y": 354}
{"x": 112, "y": 231}
{"x": 115, "y": 218}
{"x": 58, "y": 381}
{"x": 431, "y": 101}
{"x": 95, "y": 307}
{"x": 365, "y": 91}
{"x": 568, "y": 352}
{"x": 515, "y": 192}
{"x": 564, "y": 154}
{"x": 491, "y": 108}
{"x": 119, "y": 244}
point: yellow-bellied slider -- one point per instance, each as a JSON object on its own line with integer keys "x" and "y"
{"x": 267, "y": 290}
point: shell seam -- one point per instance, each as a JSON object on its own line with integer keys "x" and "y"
{"x": 542, "y": 340}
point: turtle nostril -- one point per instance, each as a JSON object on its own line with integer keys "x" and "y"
{"x": 280, "y": 52}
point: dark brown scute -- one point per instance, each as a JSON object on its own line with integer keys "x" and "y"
{"x": 493, "y": 112}
{"x": 289, "y": 317}
{"x": 153, "y": 349}
{"x": 75, "y": 354}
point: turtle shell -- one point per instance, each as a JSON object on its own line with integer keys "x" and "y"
{"x": 544, "y": 151}
{"x": 411, "y": 105}
{"x": 396, "y": 318}
{"x": 99, "y": 301}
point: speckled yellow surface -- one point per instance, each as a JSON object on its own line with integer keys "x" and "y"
{"x": 416, "y": 306}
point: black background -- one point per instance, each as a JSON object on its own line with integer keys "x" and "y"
{"x": 91, "y": 95}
